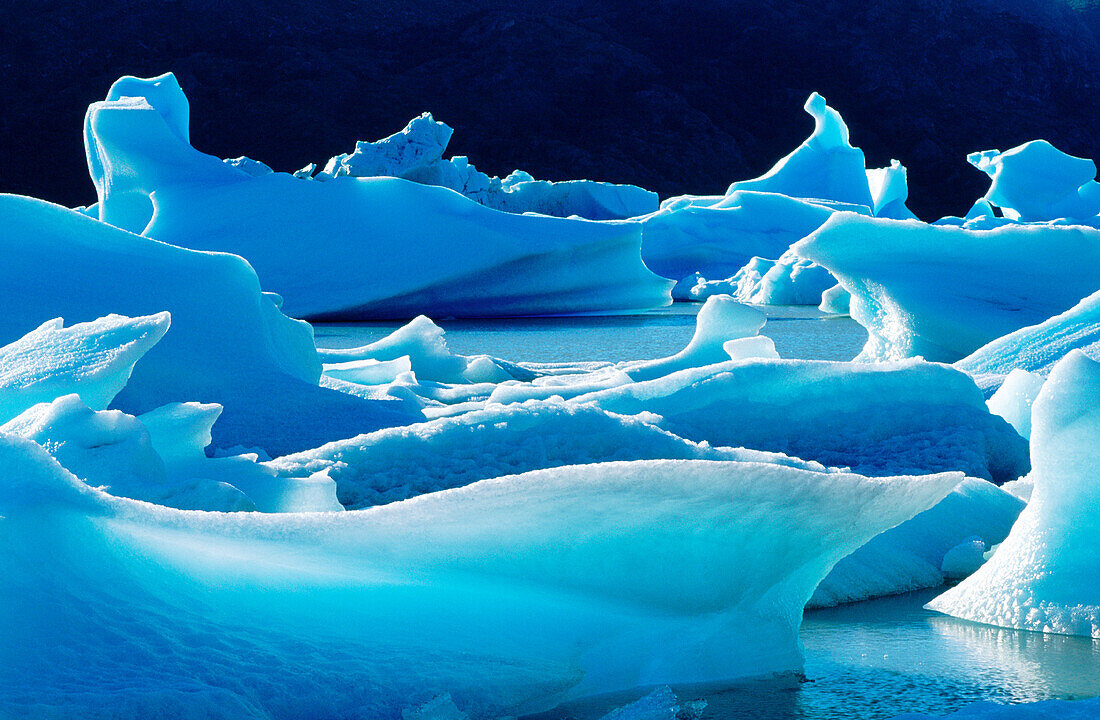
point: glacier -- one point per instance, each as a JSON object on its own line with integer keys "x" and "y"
{"x": 510, "y": 594}
{"x": 1044, "y": 575}
{"x": 353, "y": 248}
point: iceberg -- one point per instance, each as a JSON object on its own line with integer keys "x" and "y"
{"x": 717, "y": 239}
{"x": 511, "y": 594}
{"x": 825, "y": 166}
{"x": 1036, "y": 348}
{"x": 354, "y": 248}
{"x": 878, "y": 419}
{"x": 942, "y": 292}
{"x": 416, "y": 153}
{"x": 228, "y": 344}
{"x": 790, "y": 280}
{"x": 1036, "y": 181}
{"x": 1013, "y": 400}
{"x": 1044, "y": 576}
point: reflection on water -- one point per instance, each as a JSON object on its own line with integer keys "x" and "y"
{"x": 882, "y": 658}
{"x": 798, "y": 332}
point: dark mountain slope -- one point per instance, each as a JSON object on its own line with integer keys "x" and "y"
{"x": 675, "y": 96}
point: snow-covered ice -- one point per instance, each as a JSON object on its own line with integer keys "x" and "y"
{"x": 1036, "y": 181}
{"x": 511, "y": 594}
{"x": 1046, "y": 574}
{"x": 228, "y": 343}
{"x": 887, "y": 418}
{"x": 1037, "y": 348}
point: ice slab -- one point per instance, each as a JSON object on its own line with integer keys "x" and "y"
{"x": 511, "y": 595}
{"x": 887, "y": 418}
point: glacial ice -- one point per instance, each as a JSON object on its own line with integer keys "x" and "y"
{"x": 228, "y": 343}
{"x": 878, "y": 419}
{"x": 448, "y": 452}
{"x": 354, "y": 248}
{"x": 836, "y": 300}
{"x": 914, "y": 554}
{"x": 790, "y": 280}
{"x": 717, "y": 238}
{"x": 511, "y": 594}
{"x": 1046, "y": 575}
{"x": 1036, "y": 181}
{"x": 1013, "y": 400}
{"x": 721, "y": 320}
{"x": 93, "y": 359}
{"x": 416, "y": 153}
{"x": 1037, "y": 348}
{"x": 942, "y": 292}
{"x": 825, "y": 166}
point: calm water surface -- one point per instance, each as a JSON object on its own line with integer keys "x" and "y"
{"x": 798, "y": 332}
{"x": 864, "y": 661}
{"x": 881, "y": 658}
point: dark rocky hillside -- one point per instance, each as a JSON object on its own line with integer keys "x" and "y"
{"x": 675, "y": 96}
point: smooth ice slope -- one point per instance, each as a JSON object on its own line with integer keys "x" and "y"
{"x": 1046, "y": 574}
{"x": 878, "y": 419}
{"x": 511, "y": 594}
{"x": 228, "y": 343}
{"x": 92, "y": 359}
{"x": 1036, "y": 181}
{"x": 825, "y": 166}
{"x": 1038, "y": 347}
{"x": 718, "y": 237}
{"x": 1013, "y": 400}
{"x": 942, "y": 292}
{"x": 354, "y": 248}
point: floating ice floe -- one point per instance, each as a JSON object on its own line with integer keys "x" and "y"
{"x": 887, "y": 418}
{"x": 416, "y": 153}
{"x": 825, "y": 166}
{"x": 942, "y": 292}
{"x": 1046, "y": 575}
{"x": 55, "y": 384}
{"x": 228, "y": 344}
{"x": 1037, "y": 348}
{"x": 449, "y": 452}
{"x": 1036, "y": 181}
{"x": 354, "y": 248}
{"x": 511, "y": 594}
